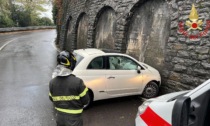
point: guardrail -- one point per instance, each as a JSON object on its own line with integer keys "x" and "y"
{"x": 14, "y": 29}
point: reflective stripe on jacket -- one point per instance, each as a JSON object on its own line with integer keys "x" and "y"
{"x": 69, "y": 98}
{"x": 69, "y": 111}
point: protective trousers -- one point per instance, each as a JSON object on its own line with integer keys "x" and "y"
{"x": 63, "y": 119}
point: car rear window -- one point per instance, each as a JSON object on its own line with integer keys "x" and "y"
{"x": 78, "y": 58}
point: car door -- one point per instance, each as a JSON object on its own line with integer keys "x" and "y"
{"x": 194, "y": 112}
{"x": 122, "y": 76}
{"x": 95, "y": 77}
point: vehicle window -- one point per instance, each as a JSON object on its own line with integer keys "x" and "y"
{"x": 78, "y": 58}
{"x": 96, "y": 63}
{"x": 121, "y": 63}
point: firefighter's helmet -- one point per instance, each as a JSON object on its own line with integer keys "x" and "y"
{"x": 67, "y": 59}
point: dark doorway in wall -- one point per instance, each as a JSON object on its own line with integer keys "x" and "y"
{"x": 104, "y": 34}
{"x": 82, "y": 31}
{"x": 69, "y": 29}
{"x": 148, "y": 32}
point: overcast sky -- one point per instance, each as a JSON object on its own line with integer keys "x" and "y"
{"x": 48, "y": 13}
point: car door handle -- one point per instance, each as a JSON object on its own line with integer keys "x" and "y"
{"x": 111, "y": 77}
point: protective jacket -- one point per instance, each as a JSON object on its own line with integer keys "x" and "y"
{"x": 67, "y": 92}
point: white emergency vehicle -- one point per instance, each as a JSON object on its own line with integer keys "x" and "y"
{"x": 185, "y": 108}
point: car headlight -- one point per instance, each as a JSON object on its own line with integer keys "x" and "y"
{"x": 143, "y": 107}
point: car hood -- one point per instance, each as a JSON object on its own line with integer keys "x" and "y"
{"x": 150, "y": 68}
{"x": 170, "y": 96}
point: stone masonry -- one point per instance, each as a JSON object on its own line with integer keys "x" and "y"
{"x": 187, "y": 61}
{"x": 148, "y": 30}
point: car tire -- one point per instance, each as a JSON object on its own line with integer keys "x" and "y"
{"x": 91, "y": 100}
{"x": 151, "y": 90}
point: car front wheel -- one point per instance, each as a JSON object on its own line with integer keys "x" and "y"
{"x": 151, "y": 90}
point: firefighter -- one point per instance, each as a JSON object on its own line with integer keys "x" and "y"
{"x": 67, "y": 92}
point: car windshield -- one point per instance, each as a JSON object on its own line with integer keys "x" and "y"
{"x": 78, "y": 58}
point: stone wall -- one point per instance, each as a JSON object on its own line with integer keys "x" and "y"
{"x": 187, "y": 61}
{"x": 145, "y": 29}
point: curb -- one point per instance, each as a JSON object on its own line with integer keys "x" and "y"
{"x": 15, "y": 29}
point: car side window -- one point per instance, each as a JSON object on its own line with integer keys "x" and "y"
{"x": 96, "y": 63}
{"x": 121, "y": 63}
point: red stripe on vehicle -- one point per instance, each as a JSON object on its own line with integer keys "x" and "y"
{"x": 152, "y": 119}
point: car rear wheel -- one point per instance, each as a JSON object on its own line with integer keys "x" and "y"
{"x": 91, "y": 100}
{"x": 151, "y": 90}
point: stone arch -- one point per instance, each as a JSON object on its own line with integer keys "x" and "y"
{"x": 81, "y": 31}
{"x": 147, "y": 32}
{"x": 68, "y": 34}
{"x": 104, "y": 29}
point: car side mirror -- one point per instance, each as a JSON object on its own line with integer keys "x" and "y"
{"x": 138, "y": 69}
{"x": 181, "y": 110}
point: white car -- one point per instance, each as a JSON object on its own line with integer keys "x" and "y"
{"x": 110, "y": 75}
{"x": 184, "y": 108}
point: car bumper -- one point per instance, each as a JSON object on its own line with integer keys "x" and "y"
{"x": 139, "y": 122}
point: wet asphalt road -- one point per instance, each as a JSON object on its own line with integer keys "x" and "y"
{"x": 27, "y": 60}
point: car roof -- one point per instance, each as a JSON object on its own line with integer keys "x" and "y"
{"x": 89, "y": 51}
{"x": 93, "y": 51}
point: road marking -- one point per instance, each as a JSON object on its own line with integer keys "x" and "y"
{"x": 8, "y": 42}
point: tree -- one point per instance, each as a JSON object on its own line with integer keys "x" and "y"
{"x": 54, "y": 12}
{"x": 22, "y": 12}
{"x": 44, "y": 21}
{"x": 32, "y": 8}
{"x": 5, "y": 14}
{"x": 4, "y": 7}
{"x": 5, "y": 21}
{"x": 22, "y": 16}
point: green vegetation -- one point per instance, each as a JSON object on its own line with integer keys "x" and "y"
{"x": 54, "y": 12}
{"x": 23, "y": 13}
